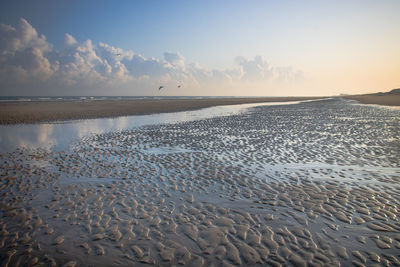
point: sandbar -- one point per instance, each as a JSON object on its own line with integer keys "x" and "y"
{"x": 35, "y": 112}
{"x": 391, "y": 98}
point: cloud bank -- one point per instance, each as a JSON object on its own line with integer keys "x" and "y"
{"x": 30, "y": 65}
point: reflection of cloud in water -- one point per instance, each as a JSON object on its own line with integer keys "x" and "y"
{"x": 88, "y": 126}
{"x": 42, "y": 137}
{"x": 99, "y": 126}
{"x": 27, "y": 136}
{"x": 46, "y": 135}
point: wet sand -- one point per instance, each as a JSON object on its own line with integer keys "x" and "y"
{"x": 312, "y": 184}
{"x": 389, "y": 98}
{"x": 33, "y": 112}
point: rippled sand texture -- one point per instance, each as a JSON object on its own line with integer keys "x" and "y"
{"x": 309, "y": 184}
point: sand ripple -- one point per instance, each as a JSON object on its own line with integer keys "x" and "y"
{"x": 312, "y": 184}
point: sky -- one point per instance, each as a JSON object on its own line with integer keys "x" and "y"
{"x": 224, "y": 48}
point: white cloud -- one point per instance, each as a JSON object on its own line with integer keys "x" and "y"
{"x": 28, "y": 62}
{"x": 289, "y": 74}
{"x": 253, "y": 70}
{"x": 175, "y": 59}
{"x": 20, "y": 38}
{"x": 23, "y": 55}
{"x": 69, "y": 41}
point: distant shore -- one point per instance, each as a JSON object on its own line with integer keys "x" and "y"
{"x": 34, "y": 112}
{"x": 391, "y": 98}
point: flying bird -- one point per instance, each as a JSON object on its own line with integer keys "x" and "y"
{"x": 179, "y": 86}
{"x": 161, "y": 87}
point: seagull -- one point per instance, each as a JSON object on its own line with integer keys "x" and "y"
{"x": 161, "y": 87}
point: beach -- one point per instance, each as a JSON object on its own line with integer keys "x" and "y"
{"x": 308, "y": 184}
{"x": 33, "y": 112}
{"x": 391, "y": 98}
{"x": 199, "y": 133}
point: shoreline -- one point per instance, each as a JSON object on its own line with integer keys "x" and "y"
{"x": 39, "y": 112}
{"x": 386, "y": 99}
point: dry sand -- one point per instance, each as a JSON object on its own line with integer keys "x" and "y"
{"x": 31, "y": 112}
{"x": 391, "y": 98}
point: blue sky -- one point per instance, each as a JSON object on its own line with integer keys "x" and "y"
{"x": 307, "y": 47}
